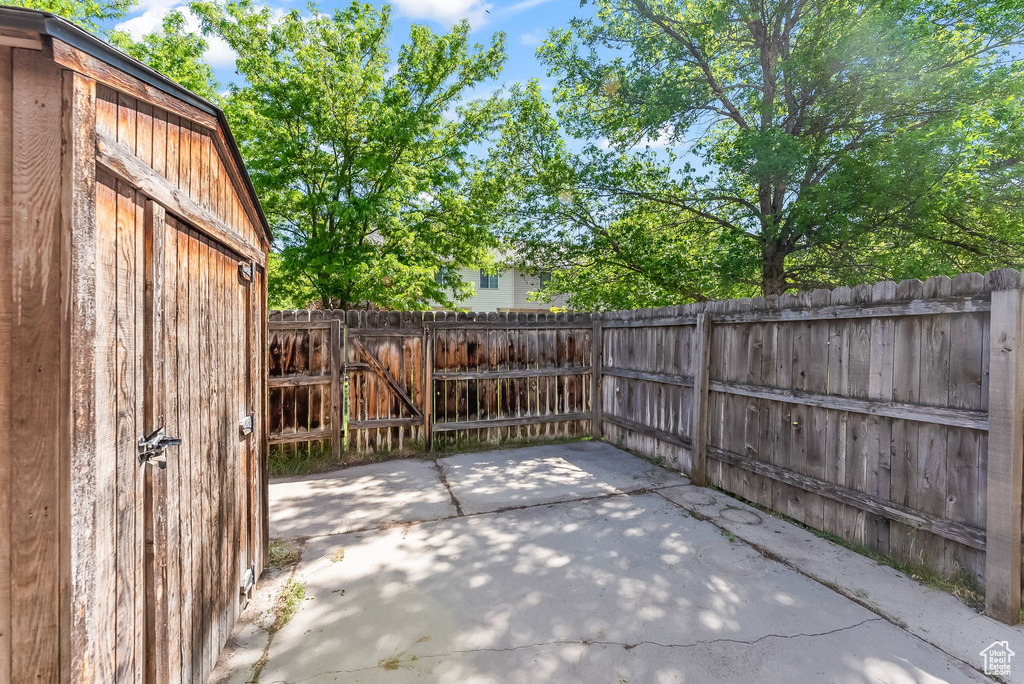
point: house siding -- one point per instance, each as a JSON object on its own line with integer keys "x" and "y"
{"x": 487, "y": 300}
{"x": 511, "y": 294}
{"x": 525, "y": 284}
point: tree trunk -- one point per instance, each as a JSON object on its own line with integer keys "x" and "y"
{"x": 773, "y": 270}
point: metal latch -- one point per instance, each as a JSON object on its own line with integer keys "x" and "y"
{"x": 247, "y": 424}
{"x": 245, "y": 270}
{"x": 151, "y": 448}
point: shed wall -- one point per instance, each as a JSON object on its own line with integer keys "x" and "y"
{"x": 211, "y": 489}
{"x": 32, "y": 364}
{"x": 6, "y": 305}
{"x": 118, "y": 316}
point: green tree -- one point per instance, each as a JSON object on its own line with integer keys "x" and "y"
{"x": 809, "y": 143}
{"x": 362, "y": 161}
{"x": 175, "y": 52}
{"x": 88, "y": 14}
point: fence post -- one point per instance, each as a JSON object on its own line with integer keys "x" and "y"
{"x": 428, "y": 385}
{"x": 596, "y": 394}
{"x": 337, "y": 400}
{"x": 1005, "y": 448}
{"x": 699, "y": 417}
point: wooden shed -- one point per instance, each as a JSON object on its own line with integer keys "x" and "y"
{"x": 132, "y": 299}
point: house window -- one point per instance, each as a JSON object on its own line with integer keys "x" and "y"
{"x": 545, "y": 278}
{"x": 488, "y": 281}
{"x": 441, "y": 274}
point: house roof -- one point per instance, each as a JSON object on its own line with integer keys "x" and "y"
{"x": 48, "y": 24}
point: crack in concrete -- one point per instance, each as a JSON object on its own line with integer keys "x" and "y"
{"x": 849, "y": 596}
{"x": 704, "y": 642}
{"x": 381, "y": 527}
{"x": 628, "y": 646}
{"x": 264, "y": 659}
{"x": 444, "y": 480}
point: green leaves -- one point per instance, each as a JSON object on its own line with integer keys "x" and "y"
{"x": 174, "y": 52}
{"x": 88, "y": 14}
{"x": 810, "y": 143}
{"x": 361, "y": 157}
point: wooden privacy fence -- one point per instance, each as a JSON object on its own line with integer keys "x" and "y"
{"x": 887, "y": 414}
{"x": 377, "y": 380}
{"x": 890, "y": 415}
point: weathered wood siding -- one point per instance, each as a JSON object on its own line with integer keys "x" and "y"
{"x": 180, "y": 150}
{"x": 118, "y": 315}
{"x": 6, "y": 374}
{"x": 33, "y": 450}
{"x": 212, "y": 480}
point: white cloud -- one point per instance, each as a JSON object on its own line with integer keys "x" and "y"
{"x": 535, "y": 37}
{"x": 665, "y": 138}
{"x": 219, "y": 53}
{"x": 147, "y": 22}
{"x": 446, "y": 11}
{"x": 524, "y": 5}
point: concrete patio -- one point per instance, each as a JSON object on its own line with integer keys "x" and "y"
{"x": 580, "y": 562}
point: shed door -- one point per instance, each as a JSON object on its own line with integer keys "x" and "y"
{"x": 198, "y": 356}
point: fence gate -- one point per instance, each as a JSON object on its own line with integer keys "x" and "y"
{"x": 509, "y": 376}
{"x": 354, "y": 378}
{"x": 392, "y": 381}
{"x": 384, "y": 366}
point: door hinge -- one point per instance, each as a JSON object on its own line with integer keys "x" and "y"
{"x": 245, "y": 270}
{"x": 151, "y": 448}
{"x": 247, "y": 424}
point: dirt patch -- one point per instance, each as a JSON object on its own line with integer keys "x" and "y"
{"x": 283, "y": 553}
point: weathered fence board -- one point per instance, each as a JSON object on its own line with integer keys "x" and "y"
{"x": 385, "y": 382}
{"x": 861, "y": 411}
{"x": 1003, "y": 553}
{"x": 511, "y": 376}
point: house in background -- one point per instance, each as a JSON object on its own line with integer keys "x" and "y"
{"x": 506, "y": 291}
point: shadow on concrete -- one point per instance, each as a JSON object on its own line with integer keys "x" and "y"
{"x": 357, "y": 498}
{"x": 611, "y": 588}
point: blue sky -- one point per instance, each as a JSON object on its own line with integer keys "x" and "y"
{"x": 525, "y": 23}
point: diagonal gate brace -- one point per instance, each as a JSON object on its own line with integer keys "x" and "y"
{"x": 386, "y": 376}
